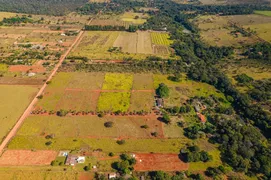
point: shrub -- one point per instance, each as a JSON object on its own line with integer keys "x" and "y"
{"x": 162, "y": 90}
{"x": 108, "y": 124}
{"x": 144, "y": 126}
{"x": 120, "y": 142}
{"x": 48, "y": 143}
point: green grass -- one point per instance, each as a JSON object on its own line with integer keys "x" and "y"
{"x": 92, "y": 126}
{"x": 130, "y": 17}
{"x": 114, "y": 81}
{"x": 3, "y": 68}
{"x": 201, "y": 166}
{"x": 107, "y": 145}
{"x": 161, "y": 39}
{"x": 14, "y": 100}
{"x": 114, "y": 101}
{"x": 265, "y": 13}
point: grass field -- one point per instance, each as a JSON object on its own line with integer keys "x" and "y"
{"x": 143, "y": 82}
{"x": 14, "y": 100}
{"x": 107, "y": 145}
{"x": 181, "y": 91}
{"x": 88, "y": 127}
{"x": 114, "y": 81}
{"x": 142, "y": 101}
{"x": 114, "y": 101}
{"x": 3, "y": 68}
{"x": 216, "y": 31}
{"x": 131, "y": 17}
{"x": 161, "y": 39}
{"x": 265, "y": 13}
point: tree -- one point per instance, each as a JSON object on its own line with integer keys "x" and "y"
{"x": 166, "y": 118}
{"x": 109, "y": 124}
{"x": 162, "y": 90}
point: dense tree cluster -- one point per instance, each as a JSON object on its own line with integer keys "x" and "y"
{"x": 260, "y": 51}
{"x": 193, "y": 154}
{"x": 125, "y": 166}
{"x": 51, "y": 7}
{"x": 15, "y": 20}
{"x": 104, "y": 28}
{"x": 261, "y": 90}
{"x": 162, "y": 91}
{"x": 115, "y": 7}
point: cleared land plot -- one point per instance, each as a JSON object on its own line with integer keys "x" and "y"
{"x": 160, "y": 38}
{"x": 90, "y": 127}
{"x": 143, "y": 82}
{"x": 144, "y": 45}
{"x": 27, "y": 157}
{"x": 142, "y": 101}
{"x": 88, "y": 81}
{"x": 78, "y": 100}
{"x": 72, "y": 91}
{"x": 25, "y": 68}
{"x": 217, "y": 31}
{"x": 114, "y": 101}
{"x": 95, "y": 45}
{"x": 109, "y": 22}
{"x": 114, "y": 81}
{"x": 263, "y": 30}
{"x": 14, "y": 100}
{"x": 162, "y": 162}
{"x": 20, "y": 81}
{"x": 106, "y": 144}
{"x": 135, "y": 18}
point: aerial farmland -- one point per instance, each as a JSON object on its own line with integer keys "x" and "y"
{"x": 136, "y": 89}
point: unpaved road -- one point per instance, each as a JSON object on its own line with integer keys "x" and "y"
{"x": 34, "y": 101}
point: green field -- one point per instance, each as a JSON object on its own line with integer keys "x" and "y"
{"x": 135, "y": 18}
{"x": 265, "y": 13}
{"x": 114, "y": 101}
{"x": 161, "y": 39}
{"x": 88, "y": 126}
{"x": 107, "y": 145}
{"x": 3, "y": 68}
{"x": 14, "y": 100}
{"x": 114, "y": 81}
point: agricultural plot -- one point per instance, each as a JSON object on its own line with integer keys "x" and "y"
{"x": 72, "y": 91}
{"x": 91, "y": 127}
{"x": 160, "y": 38}
{"x": 117, "y": 81}
{"x": 109, "y": 22}
{"x": 14, "y": 100}
{"x": 217, "y": 31}
{"x": 143, "y": 82}
{"x": 142, "y": 101}
{"x": 106, "y": 144}
{"x": 113, "y": 102}
{"x": 265, "y": 13}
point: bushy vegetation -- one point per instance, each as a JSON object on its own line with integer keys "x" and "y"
{"x": 51, "y": 7}
{"x": 104, "y": 28}
{"x": 259, "y": 51}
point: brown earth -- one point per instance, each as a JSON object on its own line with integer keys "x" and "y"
{"x": 25, "y": 68}
{"x": 27, "y": 157}
{"x": 158, "y": 161}
{"x": 20, "y": 81}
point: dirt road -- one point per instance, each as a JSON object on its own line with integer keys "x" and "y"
{"x": 34, "y": 101}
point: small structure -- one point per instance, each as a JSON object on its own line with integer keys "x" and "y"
{"x": 71, "y": 160}
{"x": 81, "y": 159}
{"x": 202, "y": 118}
{"x": 159, "y": 102}
{"x": 112, "y": 175}
{"x": 31, "y": 74}
{"x": 63, "y": 34}
{"x": 197, "y": 108}
{"x": 63, "y": 153}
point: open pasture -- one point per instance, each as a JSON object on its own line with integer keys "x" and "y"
{"x": 143, "y": 82}
{"x": 109, "y": 22}
{"x": 159, "y": 162}
{"x": 106, "y": 144}
{"x": 216, "y": 30}
{"x": 27, "y": 157}
{"x": 142, "y": 101}
{"x": 185, "y": 89}
{"x": 265, "y": 13}
{"x": 90, "y": 127}
{"x": 14, "y": 100}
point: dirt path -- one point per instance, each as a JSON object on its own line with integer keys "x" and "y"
{"x": 34, "y": 101}
{"x": 30, "y": 107}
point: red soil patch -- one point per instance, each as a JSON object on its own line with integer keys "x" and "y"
{"x": 26, "y": 157}
{"x": 163, "y": 162}
{"x": 85, "y": 176}
{"x": 24, "y": 68}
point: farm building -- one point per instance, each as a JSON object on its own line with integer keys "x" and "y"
{"x": 63, "y": 153}
{"x": 73, "y": 160}
{"x": 202, "y": 117}
{"x": 159, "y": 102}
{"x": 112, "y": 175}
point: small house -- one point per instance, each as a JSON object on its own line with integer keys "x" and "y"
{"x": 159, "y": 102}
{"x": 197, "y": 108}
{"x": 71, "y": 160}
{"x": 202, "y": 117}
{"x": 112, "y": 175}
{"x": 81, "y": 159}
